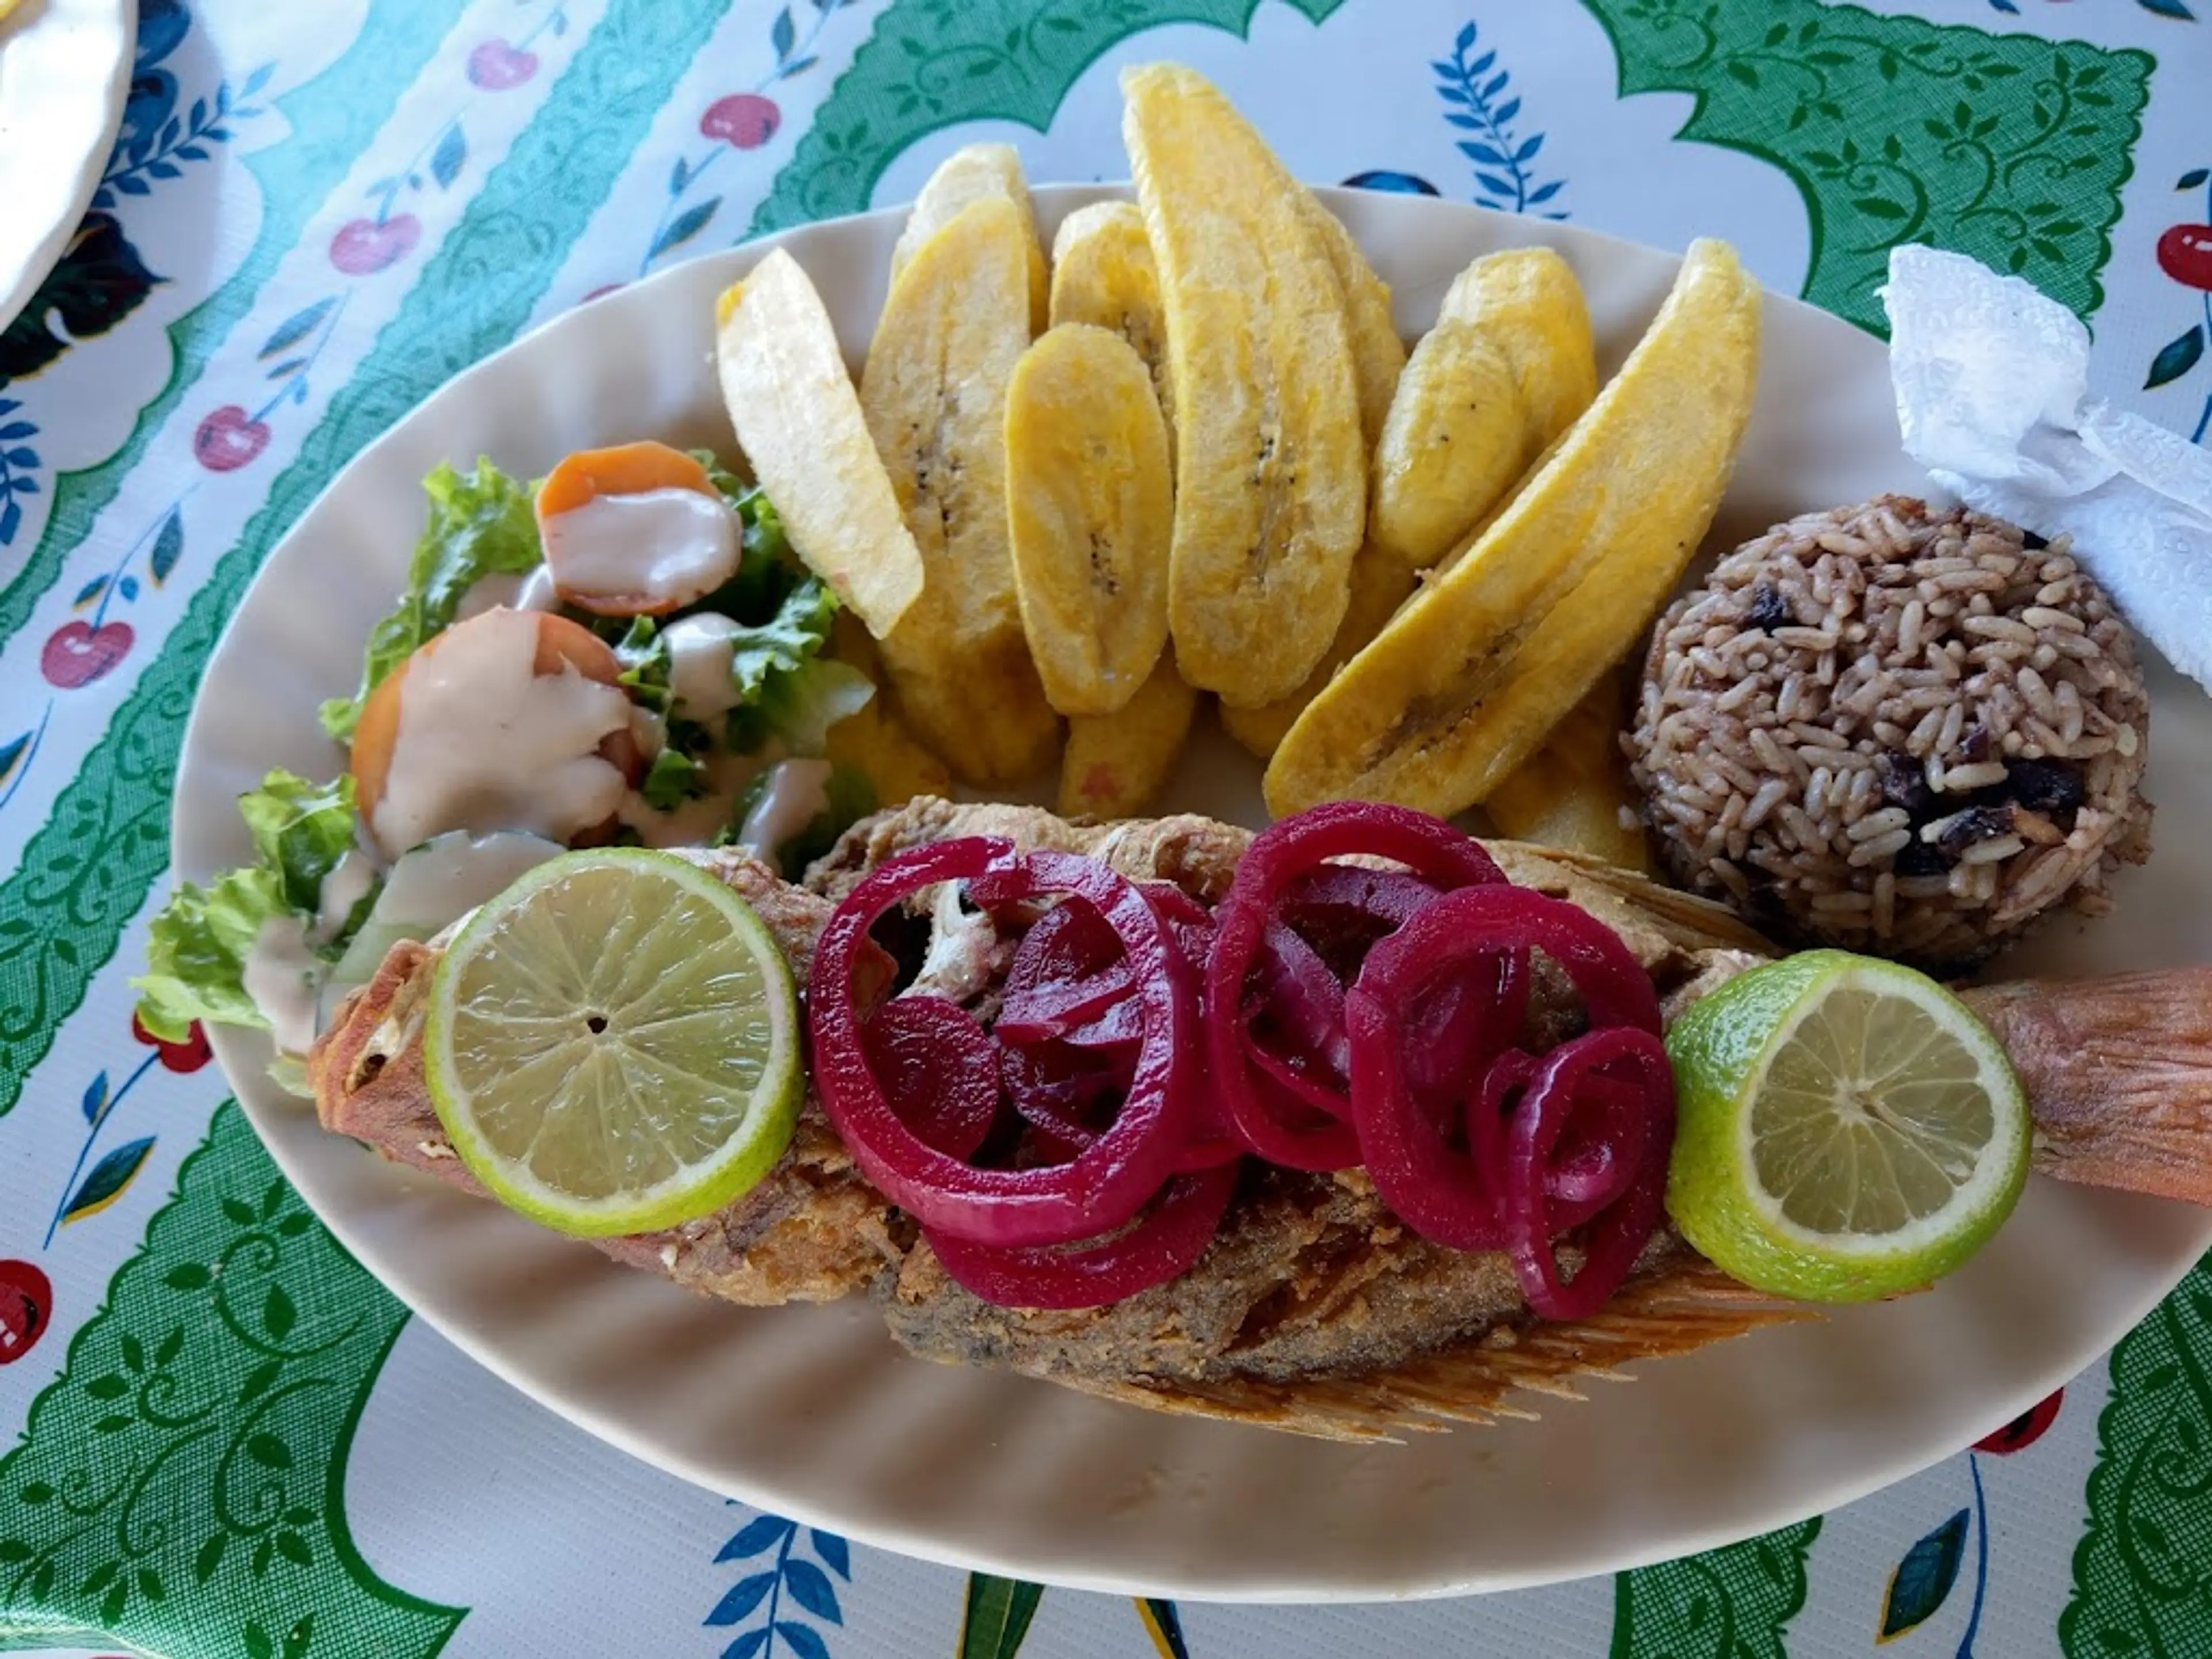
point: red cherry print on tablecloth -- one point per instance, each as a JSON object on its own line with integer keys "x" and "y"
{"x": 364, "y": 247}
{"x": 2025, "y": 1429}
{"x": 227, "y": 438}
{"x": 744, "y": 120}
{"x": 27, "y": 1302}
{"x": 497, "y": 66}
{"x": 2184, "y": 253}
{"x": 77, "y": 653}
{"x": 186, "y": 1056}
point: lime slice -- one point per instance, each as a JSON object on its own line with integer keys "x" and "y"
{"x": 613, "y": 1044}
{"x": 1848, "y": 1128}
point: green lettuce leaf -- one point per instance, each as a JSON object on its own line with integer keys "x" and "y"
{"x": 195, "y": 955}
{"x": 767, "y": 568}
{"x": 791, "y": 695}
{"x": 852, "y": 798}
{"x": 646, "y": 667}
{"x": 197, "y": 948}
{"x": 480, "y": 523}
{"x": 672, "y": 779}
{"x": 800, "y": 707}
{"x": 301, "y": 830}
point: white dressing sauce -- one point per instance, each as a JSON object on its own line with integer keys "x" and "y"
{"x": 281, "y": 976}
{"x": 453, "y": 873}
{"x": 348, "y": 883}
{"x": 532, "y": 592}
{"x": 700, "y": 653}
{"x": 797, "y": 792}
{"x": 692, "y": 823}
{"x": 484, "y": 743}
{"x": 538, "y": 592}
{"x": 663, "y": 547}
{"x": 443, "y": 879}
{"x": 647, "y": 731}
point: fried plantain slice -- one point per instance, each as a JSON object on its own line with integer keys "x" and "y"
{"x": 1509, "y": 365}
{"x": 1528, "y": 301}
{"x": 1456, "y": 439}
{"x": 875, "y": 740}
{"x": 800, "y": 424}
{"x": 1089, "y": 512}
{"x": 1103, "y": 274}
{"x": 1469, "y": 679}
{"x": 934, "y": 396}
{"x": 1271, "y": 472}
{"x": 1378, "y": 356}
{"x": 876, "y": 743}
{"x": 969, "y": 174}
{"x": 1115, "y": 765}
{"x": 1380, "y": 584}
{"x": 1571, "y": 793}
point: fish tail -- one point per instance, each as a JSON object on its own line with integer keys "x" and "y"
{"x": 2118, "y": 1076}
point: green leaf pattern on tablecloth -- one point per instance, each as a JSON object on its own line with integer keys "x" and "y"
{"x": 933, "y": 63}
{"x": 1900, "y": 131}
{"x": 1730, "y": 1603}
{"x": 179, "y": 1486}
{"x": 2142, "y": 1573}
{"x": 995, "y": 1619}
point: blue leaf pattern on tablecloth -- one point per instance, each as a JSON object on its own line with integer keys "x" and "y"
{"x": 790, "y": 1584}
{"x": 1473, "y": 88}
{"x": 836, "y": 1553}
{"x": 1924, "y": 1578}
{"x": 110, "y": 1178}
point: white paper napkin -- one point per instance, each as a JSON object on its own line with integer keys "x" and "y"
{"x": 1992, "y": 395}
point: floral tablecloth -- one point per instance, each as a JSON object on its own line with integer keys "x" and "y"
{"x": 317, "y": 213}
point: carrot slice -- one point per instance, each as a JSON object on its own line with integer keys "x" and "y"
{"x": 562, "y": 645}
{"x": 624, "y": 470}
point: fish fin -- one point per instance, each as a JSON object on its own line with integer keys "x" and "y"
{"x": 2118, "y": 1076}
{"x": 1686, "y": 1305}
{"x": 1629, "y": 902}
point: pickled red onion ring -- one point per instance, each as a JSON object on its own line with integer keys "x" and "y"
{"x": 1214, "y": 1139}
{"x": 1455, "y": 928}
{"x": 1056, "y": 1089}
{"x": 1451, "y": 1035}
{"x": 1618, "y": 1232}
{"x": 1454, "y": 1197}
{"x": 1602, "y": 1164}
{"x": 1349, "y": 891}
{"x": 1067, "y": 971}
{"x": 1058, "y": 1083}
{"x": 1434, "y": 1188}
{"x": 1108, "y": 1181}
{"x": 1165, "y": 1242}
{"x": 938, "y": 1065}
{"x": 1190, "y": 922}
{"x": 1277, "y": 1118}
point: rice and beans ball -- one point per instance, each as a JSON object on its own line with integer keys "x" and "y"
{"x": 1895, "y": 730}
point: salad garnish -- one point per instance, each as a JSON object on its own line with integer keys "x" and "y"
{"x": 663, "y": 679}
{"x": 196, "y": 953}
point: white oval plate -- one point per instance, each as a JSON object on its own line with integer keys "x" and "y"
{"x": 812, "y": 1412}
{"x": 64, "y": 67}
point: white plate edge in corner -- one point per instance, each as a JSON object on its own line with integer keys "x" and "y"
{"x": 69, "y": 72}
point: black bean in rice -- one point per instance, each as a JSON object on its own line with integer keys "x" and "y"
{"x": 1895, "y": 730}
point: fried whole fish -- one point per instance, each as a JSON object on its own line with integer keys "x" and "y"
{"x": 1313, "y": 1309}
